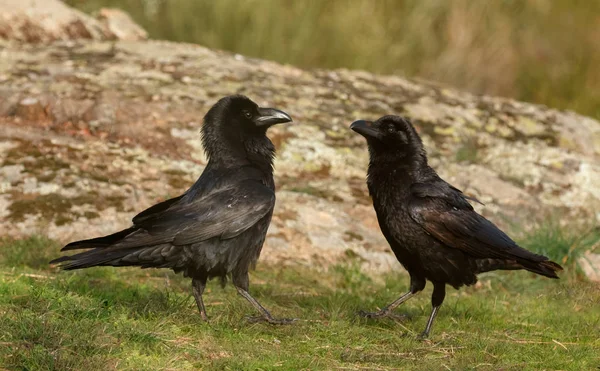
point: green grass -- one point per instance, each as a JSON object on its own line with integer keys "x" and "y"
{"x": 543, "y": 51}
{"x": 564, "y": 245}
{"x": 132, "y": 319}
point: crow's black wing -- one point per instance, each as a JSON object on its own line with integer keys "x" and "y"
{"x": 443, "y": 190}
{"x": 156, "y": 240}
{"x": 155, "y": 210}
{"x": 224, "y": 214}
{"x": 444, "y": 213}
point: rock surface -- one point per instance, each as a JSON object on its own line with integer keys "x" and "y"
{"x": 94, "y": 131}
{"x": 50, "y": 20}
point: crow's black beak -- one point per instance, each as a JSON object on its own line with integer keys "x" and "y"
{"x": 365, "y": 128}
{"x": 271, "y": 116}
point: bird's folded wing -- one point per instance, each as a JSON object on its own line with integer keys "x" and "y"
{"x": 224, "y": 214}
{"x": 155, "y": 210}
{"x": 446, "y": 217}
{"x": 443, "y": 190}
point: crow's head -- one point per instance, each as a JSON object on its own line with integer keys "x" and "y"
{"x": 236, "y": 123}
{"x": 390, "y": 135}
{"x": 238, "y": 112}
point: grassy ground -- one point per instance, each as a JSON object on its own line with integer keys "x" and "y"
{"x": 130, "y": 319}
{"x": 544, "y": 51}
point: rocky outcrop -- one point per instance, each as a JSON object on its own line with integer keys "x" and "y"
{"x": 93, "y": 131}
{"x": 41, "y": 21}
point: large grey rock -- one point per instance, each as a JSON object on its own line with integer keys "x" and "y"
{"x": 94, "y": 131}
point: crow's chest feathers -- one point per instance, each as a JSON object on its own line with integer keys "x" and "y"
{"x": 389, "y": 188}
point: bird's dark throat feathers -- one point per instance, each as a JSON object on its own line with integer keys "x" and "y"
{"x": 233, "y": 146}
{"x": 260, "y": 152}
{"x": 406, "y": 159}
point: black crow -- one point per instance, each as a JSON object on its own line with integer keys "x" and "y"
{"x": 430, "y": 225}
{"x": 218, "y": 226}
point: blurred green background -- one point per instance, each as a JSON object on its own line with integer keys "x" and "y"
{"x": 544, "y": 51}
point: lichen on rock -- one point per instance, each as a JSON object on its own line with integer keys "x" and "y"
{"x": 93, "y": 131}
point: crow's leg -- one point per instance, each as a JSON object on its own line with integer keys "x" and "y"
{"x": 241, "y": 283}
{"x": 198, "y": 285}
{"x": 437, "y": 298}
{"x": 265, "y": 315}
{"x": 387, "y": 311}
{"x": 416, "y": 285}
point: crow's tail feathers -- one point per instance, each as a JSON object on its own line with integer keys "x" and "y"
{"x": 99, "y": 242}
{"x": 93, "y": 258}
{"x": 98, "y": 255}
{"x": 546, "y": 268}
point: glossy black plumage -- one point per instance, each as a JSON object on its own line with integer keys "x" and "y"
{"x": 218, "y": 226}
{"x": 430, "y": 225}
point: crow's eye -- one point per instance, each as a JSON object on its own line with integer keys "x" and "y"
{"x": 247, "y": 114}
{"x": 391, "y": 129}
